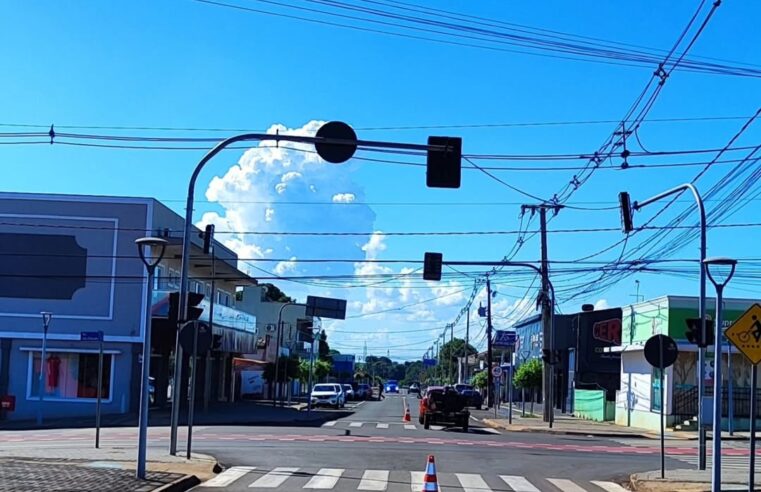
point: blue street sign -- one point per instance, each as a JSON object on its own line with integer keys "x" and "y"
{"x": 504, "y": 338}
{"x": 91, "y": 336}
{"x": 429, "y": 362}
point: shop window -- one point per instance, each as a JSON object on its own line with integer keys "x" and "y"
{"x": 70, "y": 376}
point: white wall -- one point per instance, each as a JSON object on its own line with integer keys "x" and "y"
{"x": 266, "y": 313}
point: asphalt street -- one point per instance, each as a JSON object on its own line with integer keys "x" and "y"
{"x": 370, "y": 447}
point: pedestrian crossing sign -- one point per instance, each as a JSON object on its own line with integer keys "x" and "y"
{"x": 745, "y": 334}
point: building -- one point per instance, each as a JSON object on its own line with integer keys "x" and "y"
{"x": 638, "y": 402}
{"x": 75, "y": 256}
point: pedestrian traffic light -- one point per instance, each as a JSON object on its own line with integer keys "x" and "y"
{"x": 547, "y": 356}
{"x": 444, "y": 166}
{"x": 432, "y": 266}
{"x": 694, "y": 333}
{"x": 627, "y": 222}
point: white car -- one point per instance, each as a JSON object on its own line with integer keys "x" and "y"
{"x": 349, "y": 391}
{"x": 328, "y": 395}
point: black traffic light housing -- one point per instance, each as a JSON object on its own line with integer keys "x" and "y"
{"x": 694, "y": 333}
{"x": 432, "y": 263}
{"x": 627, "y": 222}
{"x": 444, "y": 166}
{"x": 194, "y": 312}
{"x": 208, "y": 237}
{"x": 551, "y": 356}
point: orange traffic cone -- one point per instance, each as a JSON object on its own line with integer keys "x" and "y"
{"x": 407, "y": 417}
{"x": 430, "y": 483}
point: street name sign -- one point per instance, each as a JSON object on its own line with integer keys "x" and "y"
{"x": 326, "y": 307}
{"x": 91, "y": 336}
{"x": 503, "y": 338}
{"x": 745, "y": 334}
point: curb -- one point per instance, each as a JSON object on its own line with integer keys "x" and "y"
{"x": 494, "y": 425}
{"x": 180, "y": 485}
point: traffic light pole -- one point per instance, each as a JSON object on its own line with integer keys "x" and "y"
{"x": 489, "y": 352}
{"x": 701, "y": 308}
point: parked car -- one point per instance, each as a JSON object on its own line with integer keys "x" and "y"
{"x": 331, "y": 395}
{"x": 350, "y": 395}
{"x": 472, "y": 397}
{"x": 392, "y": 386}
{"x": 414, "y": 389}
{"x": 364, "y": 391}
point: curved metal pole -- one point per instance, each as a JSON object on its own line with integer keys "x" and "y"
{"x": 701, "y": 307}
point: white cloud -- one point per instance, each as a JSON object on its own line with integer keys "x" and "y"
{"x": 269, "y": 213}
{"x": 286, "y": 266}
{"x": 374, "y": 245}
{"x": 601, "y": 304}
{"x": 344, "y": 198}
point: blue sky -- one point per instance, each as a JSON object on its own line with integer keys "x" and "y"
{"x": 192, "y": 65}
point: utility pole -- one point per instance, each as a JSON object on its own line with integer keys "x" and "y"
{"x": 548, "y": 336}
{"x": 451, "y": 353}
{"x": 465, "y": 348}
{"x": 489, "y": 377}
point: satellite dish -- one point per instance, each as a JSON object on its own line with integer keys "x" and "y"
{"x": 336, "y": 153}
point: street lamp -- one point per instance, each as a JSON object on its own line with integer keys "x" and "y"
{"x": 719, "y": 285}
{"x": 46, "y": 317}
{"x": 628, "y": 227}
{"x": 150, "y": 264}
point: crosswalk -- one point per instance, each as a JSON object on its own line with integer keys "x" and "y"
{"x": 294, "y": 478}
{"x": 737, "y": 463}
{"x": 392, "y": 426}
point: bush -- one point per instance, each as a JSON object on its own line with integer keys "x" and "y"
{"x": 529, "y": 375}
{"x": 480, "y": 379}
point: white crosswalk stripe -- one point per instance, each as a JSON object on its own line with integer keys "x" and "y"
{"x": 326, "y": 478}
{"x": 740, "y": 463}
{"x": 609, "y": 486}
{"x": 410, "y": 427}
{"x": 274, "y": 479}
{"x": 518, "y": 484}
{"x": 228, "y": 476}
{"x": 381, "y": 426}
{"x": 472, "y": 482}
{"x": 374, "y": 480}
{"x": 565, "y": 485}
{"x": 330, "y": 424}
{"x": 356, "y": 424}
{"x": 379, "y": 480}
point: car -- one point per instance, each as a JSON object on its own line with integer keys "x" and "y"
{"x": 443, "y": 405}
{"x": 363, "y": 392}
{"x": 472, "y": 396}
{"x": 414, "y": 389}
{"x": 392, "y": 386}
{"x": 350, "y": 395}
{"x": 328, "y": 394}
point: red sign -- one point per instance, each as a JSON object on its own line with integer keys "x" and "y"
{"x": 608, "y": 331}
{"x": 8, "y": 403}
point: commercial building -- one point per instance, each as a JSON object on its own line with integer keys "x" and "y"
{"x": 75, "y": 257}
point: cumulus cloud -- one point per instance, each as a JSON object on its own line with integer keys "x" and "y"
{"x": 602, "y": 304}
{"x": 344, "y": 198}
{"x": 286, "y": 266}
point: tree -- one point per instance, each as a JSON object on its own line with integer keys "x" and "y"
{"x": 413, "y": 372}
{"x": 322, "y": 369}
{"x": 273, "y": 293}
{"x": 480, "y": 380}
{"x": 529, "y": 376}
{"x": 290, "y": 368}
{"x": 449, "y": 354}
{"x": 324, "y": 352}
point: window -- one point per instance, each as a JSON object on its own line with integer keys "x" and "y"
{"x": 157, "y": 278}
{"x": 70, "y": 376}
{"x": 655, "y": 393}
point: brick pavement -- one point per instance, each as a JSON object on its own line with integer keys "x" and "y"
{"x": 31, "y": 475}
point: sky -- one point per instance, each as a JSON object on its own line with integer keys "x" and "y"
{"x": 184, "y": 68}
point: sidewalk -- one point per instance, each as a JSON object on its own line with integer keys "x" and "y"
{"x": 239, "y": 413}
{"x": 108, "y": 468}
{"x": 690, "y": 480}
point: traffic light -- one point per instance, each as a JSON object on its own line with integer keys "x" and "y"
{"x": 626, "y": 212}
{"x": 444, "y": 167}
{"x": 208, "y": 237}
{"x": 432, "y": 266}
{"x": 304, "y": 330}
{"x": 194, "y": 312}
{"x": 694, "y": 332}
{"x": 547, "y": 356}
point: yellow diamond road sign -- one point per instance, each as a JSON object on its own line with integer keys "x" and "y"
{"x": 745, "y": 334}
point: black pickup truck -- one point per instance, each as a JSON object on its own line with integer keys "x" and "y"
{"x": 443, "y": 405}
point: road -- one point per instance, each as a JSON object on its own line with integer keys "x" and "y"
{"x": 369, "y": 447}
{"x": 373, "y": 449}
